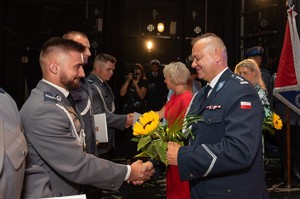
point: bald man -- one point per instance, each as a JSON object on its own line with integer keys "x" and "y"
{"x": 54, "y": 127}
{"x": 224, "y": 159}
{"x": 83, "y": 94}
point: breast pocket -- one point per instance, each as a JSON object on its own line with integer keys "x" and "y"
{"x": 17, "y": 150}
{"x": 213, "y": 116}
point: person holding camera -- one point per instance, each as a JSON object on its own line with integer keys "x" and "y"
{"x": 134, "y": 90}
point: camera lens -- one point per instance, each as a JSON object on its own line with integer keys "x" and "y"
{"x": 134, "y": 76}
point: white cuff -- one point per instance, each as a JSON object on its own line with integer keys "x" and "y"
{"x": 128, "y": 172}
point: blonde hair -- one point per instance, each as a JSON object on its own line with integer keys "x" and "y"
{"x": 178, "y": 73}
{"x": 252, "y": 66}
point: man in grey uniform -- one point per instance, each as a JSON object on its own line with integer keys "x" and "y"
{"x": 14, "y": 161}
{"x": 54, "y": 127}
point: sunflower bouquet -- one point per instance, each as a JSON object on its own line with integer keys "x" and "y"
{"x": 271, "y": 123}
{"x": 153, "y": 136}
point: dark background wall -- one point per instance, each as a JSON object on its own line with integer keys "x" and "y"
{"x": 26, "y": 24}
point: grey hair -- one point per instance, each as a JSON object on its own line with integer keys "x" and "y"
{"x": 178, "y": 73}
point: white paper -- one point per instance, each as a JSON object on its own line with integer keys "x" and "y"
{"x": 136, "y": 117}
{"x": 83, "y": 196}
{"x": 101, "y": 128}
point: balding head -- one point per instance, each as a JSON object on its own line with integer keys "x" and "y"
{"x": 210, "y": 56}
{"x": 212, "y": 42}
{"x": 82, "y": 39}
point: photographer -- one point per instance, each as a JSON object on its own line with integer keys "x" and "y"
{"x": 134, "y": 90}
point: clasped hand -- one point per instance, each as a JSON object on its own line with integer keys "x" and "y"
{"x": 140, "y": 172}
{"x": 130, "y": 118}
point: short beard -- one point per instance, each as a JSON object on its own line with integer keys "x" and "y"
{"x": 69, "y": 85}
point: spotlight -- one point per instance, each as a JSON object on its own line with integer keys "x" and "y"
{"x": 149, "y": 45}
{"x": 160, "y": 27}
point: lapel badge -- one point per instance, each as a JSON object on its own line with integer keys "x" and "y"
{"x": 58, "y": 97}
{"x": 213, "y": 107}
{"x": 220, "y": 86}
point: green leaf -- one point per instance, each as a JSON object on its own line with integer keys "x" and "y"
{"x": 161, "y": 149}
{"x": 143, "y": 142}
{"x": 135, "y": 139}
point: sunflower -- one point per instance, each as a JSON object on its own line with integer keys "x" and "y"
{"x": 277, "y": 122}
{"x": 153, "y": 136}
{"x": 147, "y": 124}
{"x": 272, "y": 123}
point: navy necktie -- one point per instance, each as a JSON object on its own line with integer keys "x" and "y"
{"x": 206, "y": 90}
{"x": 205, "y": 93}
{"x": 71, "y": 100}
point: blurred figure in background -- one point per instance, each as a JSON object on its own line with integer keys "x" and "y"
{"x": 256, "y": 53}
{"x": 157, "y": 90}
{"x": 103, "y": 101}
{"x": 249, "y": 69}
{"x": 251, "y": 72}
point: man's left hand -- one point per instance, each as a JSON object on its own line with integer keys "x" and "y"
{"x": 172, "y": 153}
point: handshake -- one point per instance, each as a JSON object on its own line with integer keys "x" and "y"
{"x": 140, "y": 172}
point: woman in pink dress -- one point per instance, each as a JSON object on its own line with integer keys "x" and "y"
{"x": 176, "y": 77}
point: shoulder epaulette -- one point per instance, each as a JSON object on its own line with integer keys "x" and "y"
{"x": 49, "y": 97}
{"x": 239, "y": 79}
{"x": 90, "y": 81}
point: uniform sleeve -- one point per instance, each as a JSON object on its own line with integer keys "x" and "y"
{"x": 47, "y": 129}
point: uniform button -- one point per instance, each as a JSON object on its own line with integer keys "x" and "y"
{"x": 112, "y": 186}
{"x": 228, "y": 190}
{"x": 24, "y": 153}
{"x": 209, "y": 120}
{"x": 191, "y": 175}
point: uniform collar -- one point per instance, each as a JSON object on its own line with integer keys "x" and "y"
{"x": 61, "y": 89}
{"x": 214, "y": 81}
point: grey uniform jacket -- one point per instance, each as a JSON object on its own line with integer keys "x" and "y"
{"x": 13, "y": 160}
{"x": 53, "y": 144}
{"x": 13, "y": 149}
{"x": 103, "y": 103}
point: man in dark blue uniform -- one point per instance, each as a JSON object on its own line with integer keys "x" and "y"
{"x": 224, "y": 158}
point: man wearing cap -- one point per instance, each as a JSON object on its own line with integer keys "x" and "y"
{"x": 157, "y": 89}
{"x": 256, "y": 53}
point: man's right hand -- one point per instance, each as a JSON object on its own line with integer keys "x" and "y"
{"x": 129, "y": 122}
{"x": 140, "y": 172}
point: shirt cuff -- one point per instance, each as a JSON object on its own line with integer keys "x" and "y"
{"x": 128, "y": 172}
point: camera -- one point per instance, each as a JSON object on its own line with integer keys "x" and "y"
{"x": 135, "y": 76}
